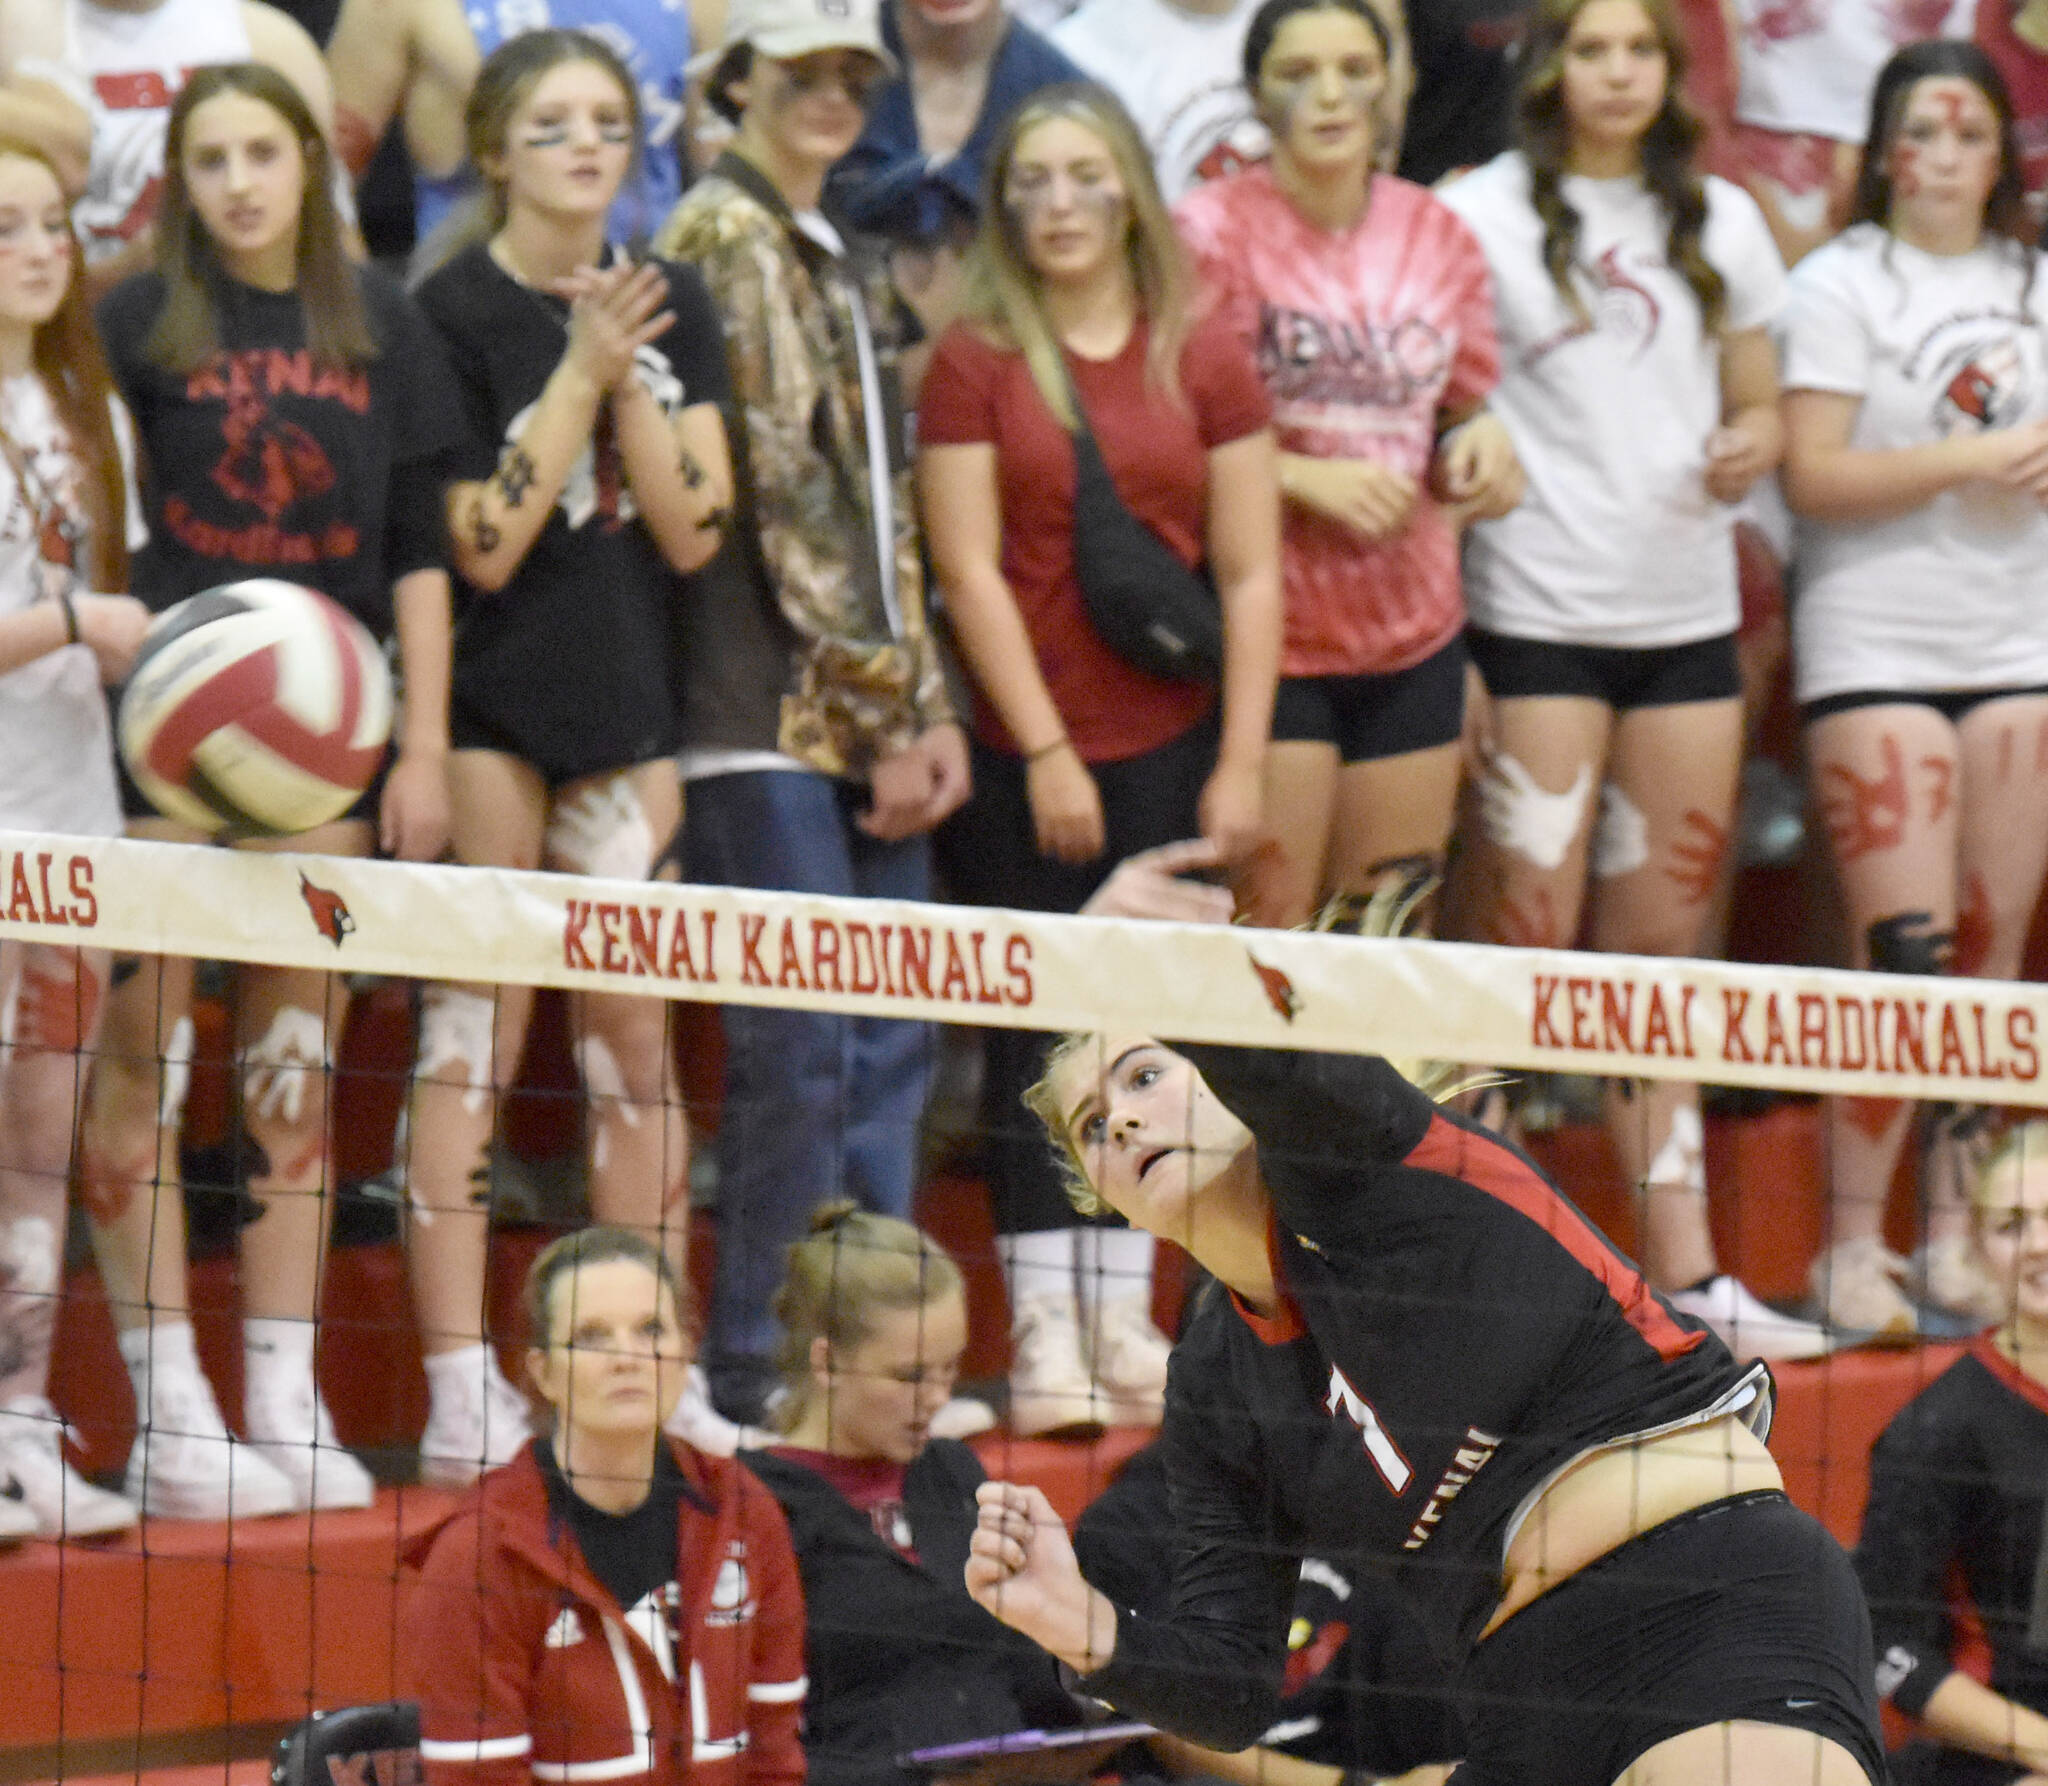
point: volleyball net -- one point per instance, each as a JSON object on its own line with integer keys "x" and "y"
{"x": 117, "y": 1653}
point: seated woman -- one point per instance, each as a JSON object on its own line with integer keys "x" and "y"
{"x": 1956, "y": 1492}
{"x": 874, "y": 1321}
{"x": 611, "y": 1604}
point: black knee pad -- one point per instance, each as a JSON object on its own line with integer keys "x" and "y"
{"x": 1908, "y": 943}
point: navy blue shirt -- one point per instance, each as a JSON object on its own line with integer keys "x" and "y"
{"x": 887, "y": 186}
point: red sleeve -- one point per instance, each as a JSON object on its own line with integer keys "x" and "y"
{"x": 1203, "y": 227}
{"x": 776, "y": 1682}
{"x": 1223, "y": 384}
{"x": 1476, "y": 368}
{"x": 956, "y": 405}
{"x": 467, "y": 1660}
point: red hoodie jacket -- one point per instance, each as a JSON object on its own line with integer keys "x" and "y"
{"x": 526, "y": 1668}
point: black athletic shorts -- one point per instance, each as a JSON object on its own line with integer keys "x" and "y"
{"x": 1370, "y": 717}
{"x": 1950, "y": 703}
{"x": 1744, "y": 1608}
{"x": 1624, "y": 677}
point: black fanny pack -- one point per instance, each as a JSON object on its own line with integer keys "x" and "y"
{"x": 1149, "y": 608}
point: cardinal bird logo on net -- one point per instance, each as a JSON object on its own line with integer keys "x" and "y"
{"x": 1279, "y": 989}
{"x": 330, "y": 911}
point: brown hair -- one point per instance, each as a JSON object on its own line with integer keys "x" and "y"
{"x": 509, "y": 75}
{"x": 595, "y": 1245}
{"x": 72, "y": 365}
{"x": 1668, "y": 148}
{"x": 1001, "y": 289}
{"x": 187, "y": 332}
{"x": 852, "y": 1267}
{"x": 2005, "y": 210}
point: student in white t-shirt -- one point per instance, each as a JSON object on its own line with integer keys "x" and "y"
{"x": 1640, "y": 386}
{"x": 67, "y": 517}
{"x": 1916, "y": 417}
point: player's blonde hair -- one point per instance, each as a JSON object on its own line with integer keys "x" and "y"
{"x": 1390, "y": 911}
{"x": 852, "y": 1267}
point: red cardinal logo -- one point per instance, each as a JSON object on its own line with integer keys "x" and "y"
{"x": 330, "y": 911}
{"x": 269, "y": 463}
{"x": 1280, "y": 993}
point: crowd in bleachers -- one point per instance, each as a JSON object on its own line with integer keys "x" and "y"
{"x": 753, "y": 426}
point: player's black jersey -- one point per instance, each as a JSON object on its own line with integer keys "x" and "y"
{"x": 1957, "y": 1484}
{"x": 1451, "y": 1319}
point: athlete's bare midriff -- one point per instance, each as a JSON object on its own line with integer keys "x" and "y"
{"x": 1604, "y": 1500}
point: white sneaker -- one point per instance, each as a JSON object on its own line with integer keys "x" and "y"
{"x": 1859, "y": 1284}
{"x": 1129, "y": 1355}
{"x": 37, "y": 1478}
{"x": 17, "y": 1523}
{"x": 1051, "y": 1390}
{"x": 962, "y": 1418}
{"x": 185, "y": 1464}
{"x": 479, "y": 1423}
{"x": 289, "y": 1428}
{"x": 1749, "y": 1328}
{"x": 697, "y": 1423}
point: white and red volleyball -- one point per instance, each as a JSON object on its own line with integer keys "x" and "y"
{"x": 258, "y": 707}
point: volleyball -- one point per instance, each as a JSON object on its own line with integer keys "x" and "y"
{"x": 259, "y": 707}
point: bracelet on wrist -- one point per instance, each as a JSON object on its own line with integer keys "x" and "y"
{"x": 1062, "y": 742}
{"x": 71, "y": 633}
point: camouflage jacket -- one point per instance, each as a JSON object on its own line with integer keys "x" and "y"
{"x": 865, "y": 682}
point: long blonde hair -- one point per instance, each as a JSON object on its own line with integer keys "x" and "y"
{"x": 1002, "y": 292}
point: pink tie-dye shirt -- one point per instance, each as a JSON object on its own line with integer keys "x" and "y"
{"x": 1366, "y": 338}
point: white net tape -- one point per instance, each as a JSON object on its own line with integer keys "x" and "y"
{"x": 1787, "y": 1029}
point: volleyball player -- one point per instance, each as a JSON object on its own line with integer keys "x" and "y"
{"x": 1571, "y": 1486}
{"x": 67, "y": 520}
{"x": 1952, "y": 1532}
{"x": 592, "y": 472}
{"x": 294, "y": 410}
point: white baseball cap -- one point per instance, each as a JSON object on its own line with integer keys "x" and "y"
{"x": 786, "y": 29}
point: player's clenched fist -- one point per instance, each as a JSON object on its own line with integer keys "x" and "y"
{"x": 1020, "y": 1567}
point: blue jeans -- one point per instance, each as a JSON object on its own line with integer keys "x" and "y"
{"x": 816, "y": 1107}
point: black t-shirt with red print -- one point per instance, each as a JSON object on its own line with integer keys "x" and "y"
{"x": 567, "y": 666}
{"x": 266, "y": 463}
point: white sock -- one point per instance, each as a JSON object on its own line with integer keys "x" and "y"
{"x": 162, "y": 1361}
{"x": 277, "y": 1354}
{"x": 1039, "y": 1265}
{"x": 462, "y": 1373}
{"x": 1115, "y": 1266}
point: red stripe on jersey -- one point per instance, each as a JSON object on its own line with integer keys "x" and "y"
{"x": 1285, "y": 1324}
{"x": 1985, "y": 1350}
{"x": 1487, "y": 1165}
{"x": 222, "y": 699}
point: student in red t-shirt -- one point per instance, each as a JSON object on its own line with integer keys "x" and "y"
{"x": 1081, "y": 758}
{"x": 1369, "y": 307}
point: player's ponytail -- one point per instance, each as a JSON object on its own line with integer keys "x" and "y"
{"x": 852, "y": 1268}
